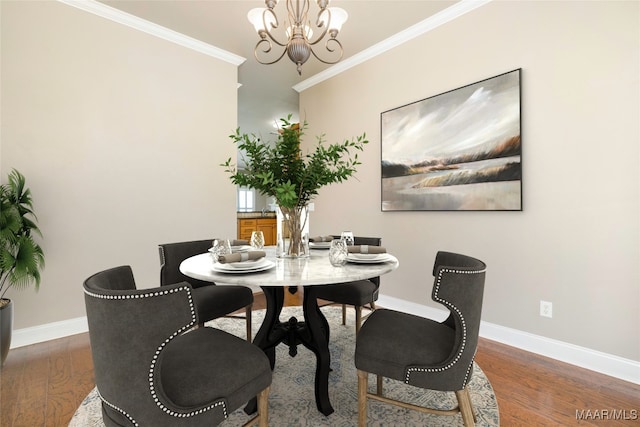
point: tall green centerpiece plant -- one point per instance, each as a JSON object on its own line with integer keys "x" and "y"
{"x": 293, "y": 178}
{"x": 21, "y": 258}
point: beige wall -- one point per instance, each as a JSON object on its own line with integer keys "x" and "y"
{"x": 576, "y": 243}
{"x": 120, "y": 135}
{"x": 104, "y": 121}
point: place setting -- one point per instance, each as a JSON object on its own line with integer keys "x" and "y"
{"x": 367, "y": 254}
{"x": 320, "y": 242}
{"x": 239, "y": 245}
{"x": 250, "y": 259}
{"x": 343, "y": 250}
{"x": 244, "y": 262}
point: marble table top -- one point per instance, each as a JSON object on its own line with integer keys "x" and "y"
{"x": 314, "y": 270}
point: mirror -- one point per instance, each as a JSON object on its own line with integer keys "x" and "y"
{"x": 249, "y": 200}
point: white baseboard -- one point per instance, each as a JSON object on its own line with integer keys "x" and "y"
{"x": 49, "y": 331}
{"x": 618, "y": 367}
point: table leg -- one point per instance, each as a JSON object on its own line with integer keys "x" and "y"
{"x": 313, "y": 333}
{"x": 268, "y": 336}
{"x": 318, "y": 342}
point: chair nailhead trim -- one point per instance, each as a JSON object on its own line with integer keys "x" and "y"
{"x": 466, "y": 375}
{"x": 180, "y": 331}
{"x": 452, "y": 307}
{"x": 114, "y": 407}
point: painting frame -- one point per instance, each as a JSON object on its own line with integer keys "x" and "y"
{"x": 459, "y": 150}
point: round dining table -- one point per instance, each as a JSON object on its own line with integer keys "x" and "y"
{"x": 310, "y": 272}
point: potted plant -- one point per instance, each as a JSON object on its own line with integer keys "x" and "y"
{"x": 283, "y": 171}
{"x": 21, "y": 258}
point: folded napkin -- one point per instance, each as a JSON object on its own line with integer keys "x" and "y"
{"x": 366, "y": 249}
{"x": 239, "y": 242}
{"x": 241, "y": 256}
{"x": 321, "y": 239}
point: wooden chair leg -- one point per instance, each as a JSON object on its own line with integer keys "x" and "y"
{"x": 344, "y": 314}
{"x": 466, "y": 410}
{"x": 248, "y": 319}
{"x": 473, "y": 411}
{"x": 358, "y": 318}
{"x": 379, "y": 379}
{"x": 263, "y": 407}
{"x": 363, "y": 378}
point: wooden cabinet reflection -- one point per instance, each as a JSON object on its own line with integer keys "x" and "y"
{"x": 267, "y": 225}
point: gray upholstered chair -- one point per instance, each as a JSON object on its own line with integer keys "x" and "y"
{"x": 211, "y": 301}
{"x": 422, "y": 352}
{"x": 152, "y": 368}
{"x": 359, "y": 294}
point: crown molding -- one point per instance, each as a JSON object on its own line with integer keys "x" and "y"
{"x": 116, "y": 15}
{"x": 422, "y": 27}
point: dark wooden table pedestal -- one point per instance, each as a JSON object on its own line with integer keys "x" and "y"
{"x": 313, "y": 333}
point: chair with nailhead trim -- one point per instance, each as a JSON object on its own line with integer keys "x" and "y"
{"x": 211, "y": 301}
{"x": 422, "y": 352}
{"x": 359, "y": 293}
{"x": 153, "y": 368}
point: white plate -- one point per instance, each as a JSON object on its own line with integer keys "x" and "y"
{"x": 379, "y": 258}
{"x": 241, "y": 248}
{"x": 248, "y": 264}
{"x": 242, "y": 265}
{"x": 261, "y": 266}
{"x": 319, "y": 245}
{"x": 365, "y": 256}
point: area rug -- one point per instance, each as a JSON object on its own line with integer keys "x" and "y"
{"x": 292, "y": 401}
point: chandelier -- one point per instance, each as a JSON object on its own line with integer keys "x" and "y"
{"x": 298, "y": 42}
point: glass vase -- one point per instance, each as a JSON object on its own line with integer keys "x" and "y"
{"x": 293, "y": 225}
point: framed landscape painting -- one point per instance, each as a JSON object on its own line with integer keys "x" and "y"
{"x": 457, "y": 151}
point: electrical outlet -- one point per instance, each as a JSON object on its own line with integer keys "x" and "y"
{"x": 546, "y": 309}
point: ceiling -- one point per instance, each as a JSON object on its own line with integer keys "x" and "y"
{"x": 266, "y": 92}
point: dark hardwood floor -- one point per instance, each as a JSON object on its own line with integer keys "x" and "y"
{"x": 43, "y": 384}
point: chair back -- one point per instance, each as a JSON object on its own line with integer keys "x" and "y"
{"x": 128, "y": 329}
{"x": 172, "y": 254}
{"x": 459, "y": 286}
